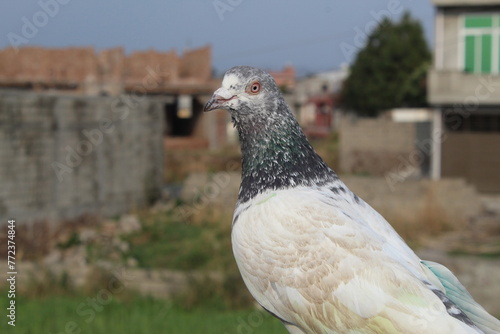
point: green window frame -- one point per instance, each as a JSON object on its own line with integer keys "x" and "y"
{"x": 481, "y": 40}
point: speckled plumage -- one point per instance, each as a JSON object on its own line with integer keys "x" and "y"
{"x": 313, "y": 253}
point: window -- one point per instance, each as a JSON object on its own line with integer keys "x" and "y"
{"x": 455, "y": 122}
{"x": 482, "y": 43}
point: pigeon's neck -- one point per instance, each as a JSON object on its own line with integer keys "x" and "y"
{"x": 277, "y": 155}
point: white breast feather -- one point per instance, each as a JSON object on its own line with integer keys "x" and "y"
{"x": 326, "y": 265}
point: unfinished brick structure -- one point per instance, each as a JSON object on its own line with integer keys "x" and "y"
{"x": 108, "y": 72}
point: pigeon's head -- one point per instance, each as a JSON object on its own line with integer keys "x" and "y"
{"x": 246, "y": 91}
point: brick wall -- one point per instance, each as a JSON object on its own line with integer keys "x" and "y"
{"x": 110, "y": 71}
{"x": 163, "y": 65}
{"x": 63, "y": 156}
{"x": 111, "y": 62}
{"x": 47, "y": 66}
{"x": 196, "y": 64}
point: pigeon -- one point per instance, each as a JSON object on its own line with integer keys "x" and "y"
{"x": 310, "y": 251}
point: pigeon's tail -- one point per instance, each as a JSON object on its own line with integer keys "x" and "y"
{"x": 456, "y": 292}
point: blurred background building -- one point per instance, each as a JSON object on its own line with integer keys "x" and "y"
{"x": 464, "y": 90}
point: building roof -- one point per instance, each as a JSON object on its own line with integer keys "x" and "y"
{"x": 471, "y": 3}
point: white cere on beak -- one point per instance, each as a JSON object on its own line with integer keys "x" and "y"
{"x": 230, "y": 81}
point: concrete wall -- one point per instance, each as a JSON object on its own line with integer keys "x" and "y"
{"x": 409, "y": 203}
{"x": 377, "y": 146}
{"x": 63, "y": 156}
{"x": 473, "y": 156}
{"x": 463, "y": 90}
{"x": 448, "y": 41}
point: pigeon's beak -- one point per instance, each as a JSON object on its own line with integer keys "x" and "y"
{"x": 218, "y": 100}
{"x": 215, "y": 103}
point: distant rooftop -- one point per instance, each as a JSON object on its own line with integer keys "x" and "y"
{"x": 472, "y": 3}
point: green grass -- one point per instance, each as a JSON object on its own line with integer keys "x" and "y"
{"x": 167, "y": 241}
{"x": 74, "y": 314}
{"x": 201, "y": 244}
{"x": 171, "y": 245}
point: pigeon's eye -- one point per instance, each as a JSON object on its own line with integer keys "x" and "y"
{"x": 254, "y": 88}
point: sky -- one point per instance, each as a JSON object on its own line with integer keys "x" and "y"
{"x": 314, "y": 36}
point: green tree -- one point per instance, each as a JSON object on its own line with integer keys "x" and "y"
{"x": 390, "y": 71}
